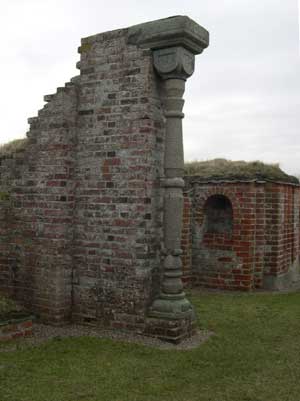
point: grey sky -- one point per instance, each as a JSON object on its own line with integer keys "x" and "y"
{"x": 243, "y": 101}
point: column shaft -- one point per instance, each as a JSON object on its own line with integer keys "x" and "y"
{"x": 172, "y": 302}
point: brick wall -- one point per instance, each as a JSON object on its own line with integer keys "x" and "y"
{"x": 81, "y": 232}
{"x": 261, "y": 250}
{"x": 281, "y": 257}
{"x": 117, "y": 216}
{"x": 5, "y": 271}
{"x": 40, "y": 184}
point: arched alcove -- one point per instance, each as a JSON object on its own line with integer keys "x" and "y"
{"x": 218, "y": 215}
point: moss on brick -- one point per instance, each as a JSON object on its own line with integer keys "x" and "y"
{"x": 85, "y": 47}
{"x": 4, "y": 196}
{"x": 222, "y": 169}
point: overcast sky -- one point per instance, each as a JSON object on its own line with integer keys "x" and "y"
{"x": 243, "y": 101}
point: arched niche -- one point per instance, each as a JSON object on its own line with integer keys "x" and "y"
{"x": 218, "y": 215}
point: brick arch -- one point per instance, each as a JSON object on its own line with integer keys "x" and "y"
{"x": 199, "y": 203}
{"x": 218, "y": 214}
{"x": 223, "y": 259}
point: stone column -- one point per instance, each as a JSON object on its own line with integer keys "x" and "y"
{"x": 174, "y": 43}
{"x": 174, "y": 65}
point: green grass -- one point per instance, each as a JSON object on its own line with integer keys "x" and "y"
{"x": 253, "y": 356}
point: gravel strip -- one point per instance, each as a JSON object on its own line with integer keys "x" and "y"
{"x": 43, "y": 333}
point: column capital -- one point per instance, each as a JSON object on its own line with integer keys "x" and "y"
{"x": 174, "y": 62}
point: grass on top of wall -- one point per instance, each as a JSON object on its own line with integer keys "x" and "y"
{"x": 12, "y": 147}
{"x": 216, "y": 169}
{"x": 222, "y": 169}
{"x": 253, "y": 356}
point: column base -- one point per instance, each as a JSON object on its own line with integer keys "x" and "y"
{"x": 171, "y": 307}
{"x": 171, "y": 320}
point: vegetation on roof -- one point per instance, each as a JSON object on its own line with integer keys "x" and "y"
{"x": 12, "y": 147}
{"x": 223, "y": 169}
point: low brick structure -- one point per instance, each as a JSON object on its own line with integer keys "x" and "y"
{"x": 241, "y": 235}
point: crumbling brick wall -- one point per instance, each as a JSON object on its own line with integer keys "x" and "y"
{"x": 81, "y": 231}
{"x": 40, "y": 185}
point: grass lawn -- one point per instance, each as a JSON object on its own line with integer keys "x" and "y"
{"x": 253, "y": 356}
